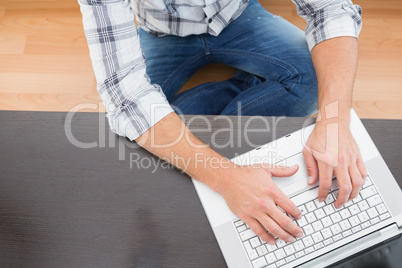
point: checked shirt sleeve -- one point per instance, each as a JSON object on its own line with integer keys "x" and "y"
{"x": 327, "y": 19}
{"x": 132, "y": 102}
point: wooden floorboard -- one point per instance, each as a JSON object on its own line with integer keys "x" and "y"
{"x": 45, "y": 65}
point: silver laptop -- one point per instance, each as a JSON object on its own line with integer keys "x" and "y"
{"x": 330, "y": 234}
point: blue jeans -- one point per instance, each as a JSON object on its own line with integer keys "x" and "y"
{"x": 275, "y": 74}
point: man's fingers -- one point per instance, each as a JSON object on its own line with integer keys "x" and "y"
{"x": 311, "y": 165}
{"x": 326, "y": 172}
{"x": 275, "y": 228}
{"x": 257, "y": 228}
{"x": 345, "y": 186}
{"x": 288, "y": 206}
{"x": 357, "y": 181}
{"x": 278, "y": 171}
{"x": 286, "y": 223}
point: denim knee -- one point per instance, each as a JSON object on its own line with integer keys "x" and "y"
{"x": 307, "y": 89}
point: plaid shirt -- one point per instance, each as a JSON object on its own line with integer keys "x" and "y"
{"x": 133, "y": 103}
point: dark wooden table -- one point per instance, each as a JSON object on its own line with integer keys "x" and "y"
{"x": 65, "y": 206}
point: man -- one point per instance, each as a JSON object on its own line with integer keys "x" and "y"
{"x": 140, "y": 73}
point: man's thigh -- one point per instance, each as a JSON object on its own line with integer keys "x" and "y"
{"x": 172, "y": 60}
{"x": 266, "y": 45}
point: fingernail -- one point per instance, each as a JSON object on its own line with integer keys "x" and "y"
{"x": 272, "y": 242}
{"x": 309, "y": 180}
{"x": 336, "y": 206}
{"x": 290, "y": 239}
{"x": 299, "y": 235}
{"x": 321, "y": 199}
{"x": 299, "y": 218}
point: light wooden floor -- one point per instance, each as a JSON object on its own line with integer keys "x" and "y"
{"x": 45, "y": 66}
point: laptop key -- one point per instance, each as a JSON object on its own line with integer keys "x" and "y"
{"x": 308, "y": 229}
{"x": 336, "y": 229}
{"x": 367, "y": 183}
{"x": 356, "y": 229}
{"x": 255, "y": 242}
{"x": 348, "y": 204}
{"x": 319, "y": 213}
{"x": 346, "y": 233}
{"x": 357, "y": 199}
{"x": 328, "y": 241}
{"x": 327, "y": 221}
{"x": 247, "y": 235}
{"x": 302, "y": 222}
{"x": 308, "y": 241}
{"x": 336, "y": 217}
{"x": 381, "y": 208}
{"x": 345, "y": 213}
{"x": 374, "y": 200}
{"x": 330, "y": 199}
{"x": 280, "y": 263}
{"x": 317, "y": 237}
{"x": 369, "y": 191}
{"x": 311, "y": 217}
{"x": 238, "y": 223}
{"x": 241, "y": 228}
{"x": 318, "y": 246}
{"x": 375, "y": 220}
{"x": 345, "y": 224}
{"x": 271, "y": 258}
{"x": 363, "y": 205}
{"x": 271, "y": 247}
{"x": 290, "y": 258}
{"x": 299, "y": 254}
{"x": 260, "y": 262}
{"x": 337, "y": 237}
{"x": 319, "y": 204}
{"x": 280, "y": 254}
{"x": 372, "y": 212}
{"x": 363, "y": 216}
{"x": 289, "y": 249}
{"x": 310, "y": 206}
{"x": 302, "y": 209}
{"x": 280, "y": 243}
{"x": 366, "y": 224}
{"x": 317, "y": 226}
{"x": 262, "y": 250}
{"x": 309, "y": 250}
{"x": 385, "y": 216}
{"x": 326, "y": 233}
{"x": 250, "y": 251}
{"x": 354, "y": 221}
{"x": 354, "y": 209}
{"x": 298, "y": 245}
{"x": 329, "y": 209}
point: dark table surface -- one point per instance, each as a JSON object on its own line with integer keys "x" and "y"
{"x": 65, "y": 206}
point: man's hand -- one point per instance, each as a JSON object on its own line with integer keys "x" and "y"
{"x": 331, "y": 149}
{"x": 253, "y": 196}
{"x": 249, "y": 191}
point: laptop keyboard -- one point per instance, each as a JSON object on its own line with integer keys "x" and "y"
{"x": 322, "y": 225}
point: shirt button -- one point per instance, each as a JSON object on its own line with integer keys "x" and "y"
{"x": 210, "y": 20}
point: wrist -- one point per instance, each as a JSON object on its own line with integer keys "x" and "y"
{"x": 224, "y": 177}
{"x": 334, "y": 113}
{"x": 216, "y": 172}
